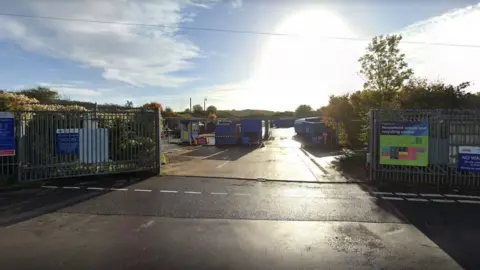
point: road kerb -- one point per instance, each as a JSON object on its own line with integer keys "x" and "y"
{"x": 314, "y": 161}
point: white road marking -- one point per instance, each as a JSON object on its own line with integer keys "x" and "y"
{"x": 51, "y": 187}
{"x": 119, "y": 189}
{"x": 382, "y": 193}
{"x": 462, "y": 196}
{"x": 242, "y": 194}
{"x": 469, "y": 201}
{"x": 95, "y": 188}
{"x": 431, "y": 195}
{"x": 223, "y": 164}
{"x": 443, "y": 201}
{"x": 71, "y": 187}
{"x": 192, "y": 192}
{"x": 216, "y": 154}
{"x": 143, "y": 190}
{"x": 148, "y": 224}
{"x": 405, "y": 194}
{"x": 218, "y": 193}
{"x": 392, "y": 198}
{"x": 168, "y": 191}
{"x": 416, "y": 199}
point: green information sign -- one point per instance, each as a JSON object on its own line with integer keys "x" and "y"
{"x": 404, "y": 143}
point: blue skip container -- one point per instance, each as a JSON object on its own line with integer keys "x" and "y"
{"x": 226, "y": 134}
{"x": 251, "y": 131}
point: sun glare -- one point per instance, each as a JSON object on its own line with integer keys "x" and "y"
{"x": 304, "y": 68}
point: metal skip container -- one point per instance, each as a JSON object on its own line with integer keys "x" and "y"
{"x": 251, "y": 131}
{"x": 226, "y": 134}
{"x": 317, "y": 133}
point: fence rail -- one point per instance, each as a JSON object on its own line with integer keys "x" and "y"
{"x": 400, "y": 152}
{"x": 60, "y": 144}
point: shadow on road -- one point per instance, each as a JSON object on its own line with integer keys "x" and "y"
{"x": 21, "y": 205}
{"x": 454, "y": 227}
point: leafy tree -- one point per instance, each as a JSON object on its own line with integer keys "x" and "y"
{"x": 341, "y": 111}
{"x": 197, "y": 108}
{"x": 129, "y": 104}
{"x": 384, "y": 67}
{"x": 284, "y": 114}
{"x": 169, "y": 112}
{"x": 153, "y": 105}
{"x": 212, "y": 109}
{"x": 42, "y": 94}
{"x": 304, "y": 111}
{"x": 419, "y": 93}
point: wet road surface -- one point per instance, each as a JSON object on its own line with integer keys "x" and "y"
{"x": 176, "y": 222}
{"x": 203, "y": 223}
{"x": 280, "y": 159}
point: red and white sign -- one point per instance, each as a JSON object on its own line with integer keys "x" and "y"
{"x": 5, "y": 153}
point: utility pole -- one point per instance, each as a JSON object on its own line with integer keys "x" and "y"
{"x": 205, "y": 104}
{"x": 190, "y": 104}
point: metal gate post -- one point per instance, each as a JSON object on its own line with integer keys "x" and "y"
{"x": 158, "y": 139}
{"x": 374, "y": 146}
{"x": 371, "y": 147}
{"x": 267, "y": 130}
{"x": 19, "y": 134}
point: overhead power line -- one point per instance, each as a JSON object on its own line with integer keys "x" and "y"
{"x": 233, "y": 31}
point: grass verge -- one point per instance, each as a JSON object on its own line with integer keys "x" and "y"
{"x": 351, "y": 164}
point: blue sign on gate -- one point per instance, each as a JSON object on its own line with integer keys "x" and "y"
{"x": 67, "y": 141}
{"x": 7, "y": 134}
{"x": 469, "y": 158}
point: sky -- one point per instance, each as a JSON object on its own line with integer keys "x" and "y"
{"x": 236, "y": 54}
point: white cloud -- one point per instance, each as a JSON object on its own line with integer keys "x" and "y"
{"x": 237, "y": 3}
{"x": 283, "y": 82}
{"x": 223, "y": 96}
{"x": 453, "y": 64}
{"x": 137, "y": 55}
{"x": 73, "y": 91}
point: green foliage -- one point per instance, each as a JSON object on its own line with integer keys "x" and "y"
{"x": 131, "y": 137}
{"x": 390, "y": 84}
{"x": 129, "y": 104}
{"x": 304, "y": 111}
{"x": 284, "y": 114}
{"x": 212, "y": 109}
{"x": 197, "y": 108}
{"x": 168, "y": 112}
{"x": 419, "y": 93}
{"x": 42, "y": 94}
{"x": 384, "y": 67}
{"x": 351, "y": 164}
{"x": 225, "y": 114}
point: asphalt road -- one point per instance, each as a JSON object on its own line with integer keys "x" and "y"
{"x": 204, "y": 223}
{"x": 176, "y": 222}
{"x": 280, "y": 159}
